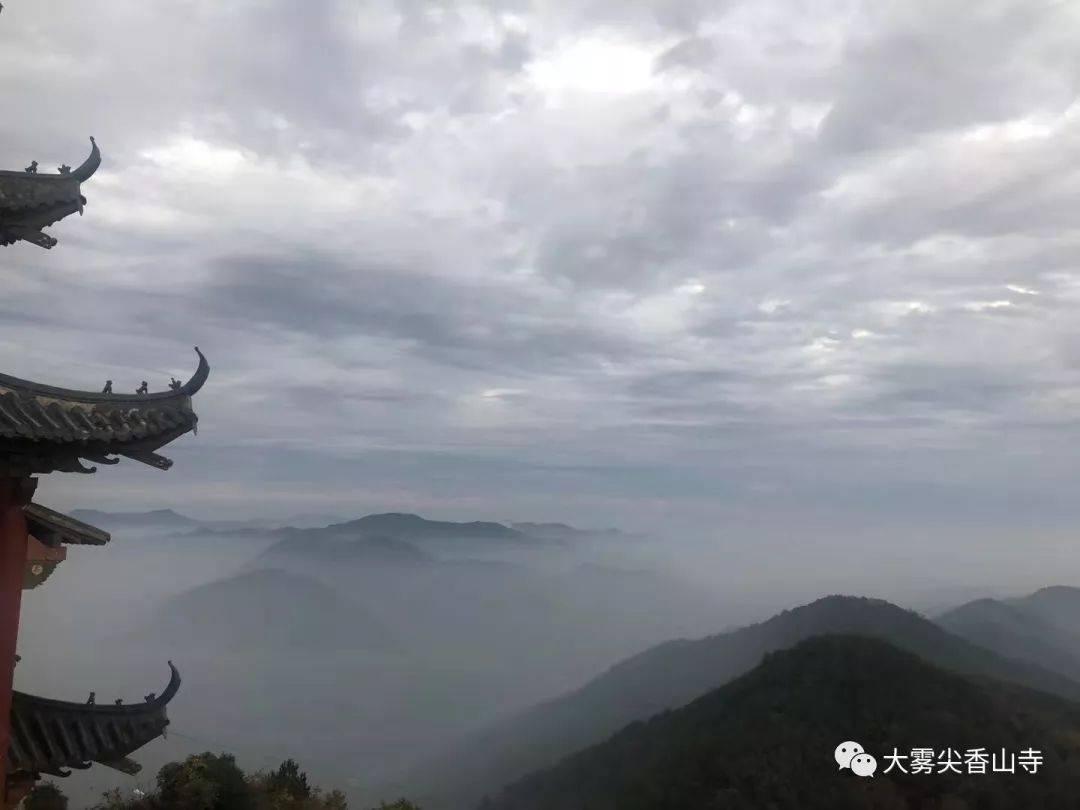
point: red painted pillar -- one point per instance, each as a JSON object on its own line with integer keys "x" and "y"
{"x": 14, "y": 494}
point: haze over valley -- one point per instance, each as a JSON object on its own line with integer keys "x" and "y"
{"x": 400, "y": 655}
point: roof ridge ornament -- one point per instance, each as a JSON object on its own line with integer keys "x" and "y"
{"x": 40, "y": 743}
{"x": 190, "y": 388}
{"x": 198, "y": 379}
{"x": 87, "y": 168}
{"x": 44, "y": 428}
{"x": 31, "y": 200}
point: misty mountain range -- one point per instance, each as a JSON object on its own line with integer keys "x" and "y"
{"x": 308, "y": 545}
{"x": 674, "y": 673}
{"x": 157, "y": 518}
{"x": 398, "y": 525}
{"x": 1040, "y": 627}
{"x": 766, "y": 740}
{"x": 428, "y": 583}
{"x": 266, "y": 609}
{"x": 446, "y": 661}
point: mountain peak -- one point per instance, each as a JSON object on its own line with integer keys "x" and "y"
{"x": 766, "y": 739}
{"x": 1058, "y": 590}
{"x": 671, "y": 674}
{"x": 320, "y": 545}
{"x": 406, "y": 525}
{"x": 154, "y": 517}
{"x": 266, "y": 608}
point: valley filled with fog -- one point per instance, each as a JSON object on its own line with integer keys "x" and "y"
{"x": 359, "y": 648}
{"x": 374, "y": 650}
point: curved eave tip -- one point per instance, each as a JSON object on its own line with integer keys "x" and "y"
{"x": 90, "y": 165}
{"x": 172, "y": 688}
{"x": 197, "y": 380}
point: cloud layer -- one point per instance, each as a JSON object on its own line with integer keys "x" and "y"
{"x": 618, "y": 262}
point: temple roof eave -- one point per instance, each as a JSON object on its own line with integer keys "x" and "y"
{"x": 52, "y": 736}
{"x": 44, "y": 428}
{"x": 55, "y": 528}
{"x": 41, "y": 390}
{"x": 158, "y": 703}
{"x": 31, "y": 200}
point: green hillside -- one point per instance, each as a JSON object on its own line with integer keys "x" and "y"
{"x": 767, "y": 739}
{"x": 674, "y": 673}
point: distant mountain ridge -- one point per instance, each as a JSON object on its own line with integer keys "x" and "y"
{"x": 408, "y": 526}
{"x": 672, "y": 674}
{"x": 165, "y": 518}
{"x": 388, "y": 538}
{"x": 767, "y": 740}
{"x": 266, "y": 607}
{"x": 332, "y": 547}
{"x": 1058, "y": 604}
{"x": 389, "y": 525}
{"x": 1043, "y": 627}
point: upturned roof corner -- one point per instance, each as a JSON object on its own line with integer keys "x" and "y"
{"x": 31, "y": 200}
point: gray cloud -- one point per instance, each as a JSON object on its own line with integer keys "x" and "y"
{"x": 565, "y": 261}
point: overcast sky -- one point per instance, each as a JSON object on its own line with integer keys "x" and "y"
{"x": 608, "y": 261}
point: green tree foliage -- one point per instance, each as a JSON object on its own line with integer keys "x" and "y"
{"x": 287, "y": 788}
{"x": 46, "y": 796}
{"x": 400, "y": 804}
{"x": 204, "y": 782}
{"x": 289, "y": 780}
{"x": 114, "y": 800}
{"x": 209, "y": 781}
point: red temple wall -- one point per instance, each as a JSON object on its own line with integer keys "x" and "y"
{"x": 14, "y": 493}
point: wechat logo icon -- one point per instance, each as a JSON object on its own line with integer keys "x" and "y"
{"x": 851, "y": 754}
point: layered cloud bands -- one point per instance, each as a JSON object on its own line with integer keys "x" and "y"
{"x": 639, "y": 259}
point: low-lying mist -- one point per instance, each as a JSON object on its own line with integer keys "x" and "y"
{"x": 365, "y": 648}
{"x": 356, "y": 651}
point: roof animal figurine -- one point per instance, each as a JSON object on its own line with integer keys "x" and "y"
{"x": 31, "y": 200}
{"x": 45, "y": 429}
{"x": 52, "y": 736}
